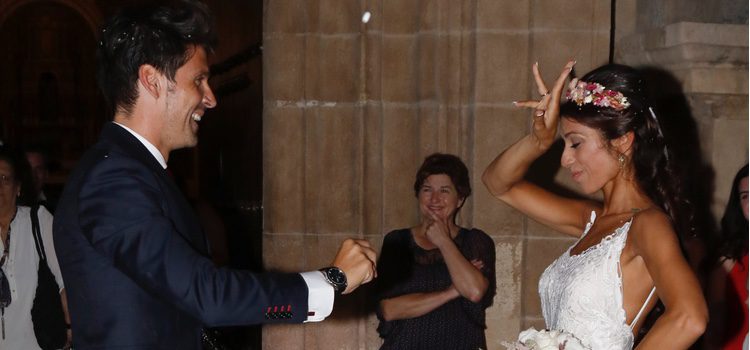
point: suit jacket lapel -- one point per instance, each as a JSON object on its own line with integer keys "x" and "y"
{"x": 178, "y": 209}
{"x": 124, "y": 141}
{"x": 187, "y": 224}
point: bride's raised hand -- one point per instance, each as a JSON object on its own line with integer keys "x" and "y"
{"x": 546, "y": 109}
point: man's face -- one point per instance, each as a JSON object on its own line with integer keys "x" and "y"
{"x": 188, "y": 98}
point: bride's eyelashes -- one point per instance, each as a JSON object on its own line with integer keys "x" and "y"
{"x": 573, "y": 143}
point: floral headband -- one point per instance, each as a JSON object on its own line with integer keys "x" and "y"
{"x": 582, "y": 93}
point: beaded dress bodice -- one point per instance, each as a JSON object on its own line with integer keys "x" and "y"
{"x": 582, "y": 294}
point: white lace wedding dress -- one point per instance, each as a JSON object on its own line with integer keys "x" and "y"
{"x": 582, "y": 294}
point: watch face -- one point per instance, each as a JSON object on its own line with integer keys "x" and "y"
{"x": 336, "y": 278}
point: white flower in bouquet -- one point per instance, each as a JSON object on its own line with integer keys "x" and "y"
{"x": 532, "y": 339}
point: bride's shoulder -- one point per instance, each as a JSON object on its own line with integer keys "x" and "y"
{"x": 651, "y": 215}
{"x": 652, "y": 225}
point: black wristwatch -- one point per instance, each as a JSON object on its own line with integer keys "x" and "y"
{"x": 336, "y": 278}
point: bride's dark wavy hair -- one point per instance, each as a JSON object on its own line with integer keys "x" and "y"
{"x": 654, "y": 172}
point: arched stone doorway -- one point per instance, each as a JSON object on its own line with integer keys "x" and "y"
{"x": 48, "y": 96}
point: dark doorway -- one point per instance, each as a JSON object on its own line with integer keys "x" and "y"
{"x": 48, "y": 93}
{"x": 49, "y": 100}
{"x": 225, "y": 172}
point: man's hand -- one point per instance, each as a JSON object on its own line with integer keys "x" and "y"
{"x": 357, "y": 260}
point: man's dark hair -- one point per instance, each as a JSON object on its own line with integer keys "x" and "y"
{"x": 160, "y": 35}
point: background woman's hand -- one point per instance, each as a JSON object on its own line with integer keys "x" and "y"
{"x": 477, "y": 263}
{"x": 438, "y": 230}
{"x": 546, "y": 109}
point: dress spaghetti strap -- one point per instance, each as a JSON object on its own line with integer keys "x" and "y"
{"x": 637, "y": 316}
{"x": 648, "y": 299}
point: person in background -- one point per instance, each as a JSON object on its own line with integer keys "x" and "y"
{"x": 39, "y": 174}
{"x": 728, "y": 283}
{"x": 436, "y": 279}
{"x": 627, "y": 253}
{"x": 19, "y": 260}
{"x": 131, "y": 250}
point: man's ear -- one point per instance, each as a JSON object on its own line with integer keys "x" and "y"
{"x": 150, "y": 79}
{"x": 624, "y": 143}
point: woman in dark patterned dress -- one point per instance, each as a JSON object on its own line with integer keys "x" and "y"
{"x": 436, "y": 279}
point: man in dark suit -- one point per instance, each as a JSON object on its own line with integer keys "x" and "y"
{"x": 131, "y": 252}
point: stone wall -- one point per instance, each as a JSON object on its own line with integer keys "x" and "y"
{"x": 352, "y": 108}
{"x": 709, "y": 61}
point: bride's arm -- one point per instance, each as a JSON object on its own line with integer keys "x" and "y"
{"x": 685, "y": 315}
{"x": 504, "y": 176}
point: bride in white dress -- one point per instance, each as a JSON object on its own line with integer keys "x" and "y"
{"x": 627, "y": 255}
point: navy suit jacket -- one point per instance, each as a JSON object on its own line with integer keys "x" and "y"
{"x": 134, "y": 259}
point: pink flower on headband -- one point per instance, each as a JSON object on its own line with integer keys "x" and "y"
{"x": 582, "y": 93}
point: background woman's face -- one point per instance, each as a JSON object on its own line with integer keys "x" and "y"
{"x": 742, "y": 188}
{"x": 438, "y": 195}
{"x": 9, "y": 187}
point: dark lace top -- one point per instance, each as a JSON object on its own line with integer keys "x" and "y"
{"x": 406, "y": 268}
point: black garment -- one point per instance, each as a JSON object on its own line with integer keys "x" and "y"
{"x": 135, "y": 263}
{"x": 49, "y": 202}
{"x": 47, "y": 312}
{"x": 406, "y": 268}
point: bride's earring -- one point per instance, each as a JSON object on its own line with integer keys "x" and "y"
{"x": 621, "y": 159}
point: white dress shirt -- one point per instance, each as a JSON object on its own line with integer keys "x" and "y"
{"x": 320, "y": 294}
{"x": 21, "y": 270}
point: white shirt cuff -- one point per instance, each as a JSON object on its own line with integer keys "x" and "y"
{"x": 320, "y": 296}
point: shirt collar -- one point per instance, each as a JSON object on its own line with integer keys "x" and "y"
{"x": 150, "y": 147}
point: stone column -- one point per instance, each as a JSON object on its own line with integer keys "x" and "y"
{"x": 351, "y": 110}
{"x": 705, "y": 48}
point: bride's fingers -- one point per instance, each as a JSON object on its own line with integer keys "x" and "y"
{"x": 541, "y": 87}
{"x": 529, "y": 104}
{"x": 538, "y": 106}
{"x": 560, "y": 82}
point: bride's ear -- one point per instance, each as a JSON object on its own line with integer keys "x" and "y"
{"x": 624, "y": 143}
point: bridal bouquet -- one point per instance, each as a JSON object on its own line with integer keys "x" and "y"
{"x": 532, "y": 339}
